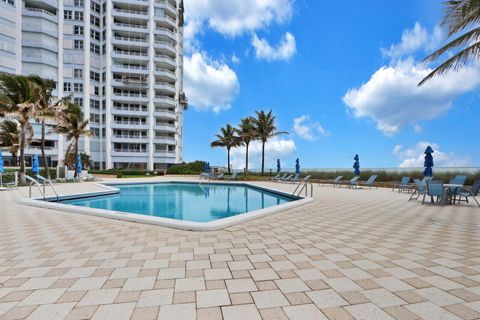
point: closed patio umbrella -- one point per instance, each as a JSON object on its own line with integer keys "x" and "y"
{"x": 35, "y": 165}
{"x": 297, "y": 166}
{"x": 279, "y": 168}
{"x": 356, "y": 165}
{"x": 1, "y": 168}
{"x": 79, "y": 166}
{"x": 428, "y": 164}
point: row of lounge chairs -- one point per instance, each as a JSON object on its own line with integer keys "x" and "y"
{"x": 353, "y": 183}
{"x": 290, "y": 178}
{"x": 221, "y": 176}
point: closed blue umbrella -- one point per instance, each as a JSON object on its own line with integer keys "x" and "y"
{"x": 297, "y": 166}
{"x": 206, "y": 168}
{"x": 428, "y": 164}
{"x": 79, "y": 165}
{"x": 279, "y": 168}
{"x": 35, "y": 165}
{"x": 356, "y": 165}
{"x": 1, "y": 168}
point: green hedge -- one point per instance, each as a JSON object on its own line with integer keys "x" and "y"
{"x": 121, "y": 173}
{"x": 9, "y": 176}
{"x": 195, "y": 167}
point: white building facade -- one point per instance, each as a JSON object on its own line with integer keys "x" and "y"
{"x": 121, "y": 60}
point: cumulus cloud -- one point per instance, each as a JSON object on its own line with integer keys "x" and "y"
{"x": 391, "y": 97}
{"x": 393, "y": 100}
{"x": 209, "y": 84}
{"x": 233, "y": 17}
{"x": 417, "y": 38}
{"x": 414, "y": 157}
{"x": 305, "y": 129}
{"x": 283, "y": 51}
{"x": 276, "y": 148}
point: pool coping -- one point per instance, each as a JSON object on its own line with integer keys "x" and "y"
{"x": 165, "y": 222}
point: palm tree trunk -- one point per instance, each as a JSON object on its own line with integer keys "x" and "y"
{"x": 263, "y": 157}
{"x": 228, "y": 160}
{"x": 22, "y": 153}
{"x": 45, "y": 162}
{"x": 76, "y": 156}
{"x": 246, "y": 158}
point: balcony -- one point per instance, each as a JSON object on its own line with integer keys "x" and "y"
{"x": 165, "y": 114}
{"x": 165, "y": 45}
{"x": 129, "y": 112}
{"x": 165, "y": 4}
{"x": 42, "y": 59}
{"x": 165, "y": 73}
{"x": 41, "y": 13}
{"x": 165, "y": 60}
{"x": 40, "y": 44}
{"x": 130, "y": 13}
{"x": 129, "y": 153}
{"x": 166, "y": 19}
{"x": 164, "y": 154}
{"x": 129, "y": 41}
{"x": 130, "y": 54}
{"x": 129, "y": 125}
{"x": 165, "y": 101}
{"x": 165, "y": 127}
{"x": 40, "y": 28}
{"x": 130, "y": 97}
{"x": 165, "y": 140}
{"x": 49, "y": 151}
{"x": 165, "y": 86}
{"x": 129, "y": 138}
{"x": 130, "y": 27}
{"x": 130, "y": 83}
{"x": 125, "y": 68}
{"x": 165, "y": 32}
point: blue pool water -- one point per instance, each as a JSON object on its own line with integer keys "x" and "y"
{"x": 184, "y": 201}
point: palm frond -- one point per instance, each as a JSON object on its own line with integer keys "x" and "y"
{"x": 468, "y": 37}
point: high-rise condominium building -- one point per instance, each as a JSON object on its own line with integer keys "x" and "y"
{"x": 121, "y": 60}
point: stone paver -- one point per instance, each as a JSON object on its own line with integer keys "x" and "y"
{"x": 351, "y": 254}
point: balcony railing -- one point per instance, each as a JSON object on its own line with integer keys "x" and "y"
{"x": 142, "y": 40}
{"x": 130, "y": 150}
{"x": 127, "y": 94}
{"x": 41, "y": 11}
{"x": 143, "y": 13}
{"x": 133, "y": 123}
{"x": 131, "y": 53}
{"x": 128, "y": 25}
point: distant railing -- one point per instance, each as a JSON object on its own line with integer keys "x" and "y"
{"x": 41, "y": 11}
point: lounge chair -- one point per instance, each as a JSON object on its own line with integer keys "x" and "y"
{"x": 337, "y": 181}
{"x": 306, "y": 179}
{"x": 90, "y": 177}
{"x": 420, "y": 189}
{"x": 285, "y": 175}
{"x": 458, "y": 180}
{"x": 219, "y": 177}
{"x": 292, "y": 178}
{"x": 369, "y": 183}
{"x": 296, "y": 178}
{"x": 403, "y": 185}
{"x": 287, "y": 178}
{"x": 436, "y": 189}
{"x": 349, "y": 182}
{"x": 276, "y": 177}
{"x": 466, "y": 193}
{"x": 232, "y": 177}
{"x": 205, "y": 175}
{"x": 70, "y": 176}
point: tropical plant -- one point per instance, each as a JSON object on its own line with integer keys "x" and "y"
{"x": 246, "y": 132}
{"x": 71, "y": 160}
{"x": 227, "y": 139}
{"x": 45, "y": 109}
{"x": 10, "y": 138}
{"x": 70, "y": 122}
{"x": 460, "y": 15}
{"x": 265, "y": 129}
{"x": 18, "y": 98}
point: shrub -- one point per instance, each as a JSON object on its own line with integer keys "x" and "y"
{"x": 195, "y": 167}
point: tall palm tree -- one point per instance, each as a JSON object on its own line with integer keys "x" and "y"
{"x": 45, "y": 109}
{"x": 228, "y": 139}
{"x": 266, "y": 129}
{"x": 460, "y": 15}
{"x": 17, "y": 101}
{"x": 246, "y": 133}
{"x": 10, "y": 138}
{"x": 70, "y": 122}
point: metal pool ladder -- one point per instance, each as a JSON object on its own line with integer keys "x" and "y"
{"x": 301, "y": 187}
{"x": 45, "y": 181}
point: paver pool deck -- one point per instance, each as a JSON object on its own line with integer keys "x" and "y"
{"x": 351, "y": 254}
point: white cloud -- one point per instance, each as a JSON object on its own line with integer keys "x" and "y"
{"x": 276, "y": 148}
{"x": 418, "y": 129}
{"x": 391, "y": 97}
{"x": 305, "y": 129}
{"x": 413, "y": 40}
{"x": 209, "y": 84}
{"x": 414, "y": 157}
{"x": 234, "y": 17}
{"x": 284, "y": 51}
{"x": 393, "y": 100}
{"x": 235, "y": 59}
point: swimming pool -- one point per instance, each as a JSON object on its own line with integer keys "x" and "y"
{"x": 184, "y": 205}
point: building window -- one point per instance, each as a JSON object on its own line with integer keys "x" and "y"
{"x": 94, "y": 34}
{"x": 79, "y": 15}
{"x": 78, "y": 44}
{"x": 95, "y": 7}
{"x": 78, "y": 73}
{"x": 95, "y": 76}
{"x": 10, "y": 2}
{"x": 94, "y": 118}
{"x": 96, "y": 90}
{"x": 95, "y": 21}
{"x": 95, "y": 48}
{"x": 67, "y": 87}
{"x": 67, "y": 14}
{"x": 94, "y": 104}
{"x": 78, "y": 87}
{"x": 95, "y": 132}
{"x": 78, "y": 101}
{"x": 78, "y": 30}
{"x": 78, "y": 3}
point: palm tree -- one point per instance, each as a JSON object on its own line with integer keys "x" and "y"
{"x": 265, "y": 129}
{"x": 246, "y": 133}
{"x": 228, "y": 139}
{"x": 10, "y": 138}
{"x": 72, "y": 124}
{"x": 17, "y": 100}
{"x": 45, "y": 109}
{"x": 460, "y": 15}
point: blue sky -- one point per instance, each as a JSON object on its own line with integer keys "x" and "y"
{"x": 339, "y": 76}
